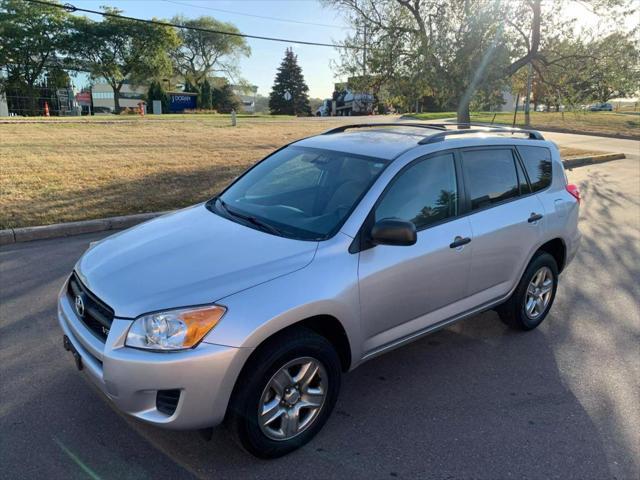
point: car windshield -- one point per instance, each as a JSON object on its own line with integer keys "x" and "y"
{"x": 299, "y": 192}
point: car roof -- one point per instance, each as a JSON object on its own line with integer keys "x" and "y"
{"x": 389, "y": 140}
{"x": 380, "y": 142}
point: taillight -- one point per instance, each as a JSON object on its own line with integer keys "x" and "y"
{"x": 574, "y": 191}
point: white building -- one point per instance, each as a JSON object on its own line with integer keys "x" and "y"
{"x": 247, "y": 97}
{"x": 130, "y": 96}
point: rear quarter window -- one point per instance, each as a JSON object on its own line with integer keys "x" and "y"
{"x": 537, "y": 163}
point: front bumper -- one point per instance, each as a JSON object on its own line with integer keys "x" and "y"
{"x": 131, "y": 378}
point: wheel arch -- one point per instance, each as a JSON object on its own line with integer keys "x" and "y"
{"x": 557, "y": 249}
{"x": 326, "y": 326}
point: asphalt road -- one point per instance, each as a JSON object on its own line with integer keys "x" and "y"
{"x": 476, "y": 400}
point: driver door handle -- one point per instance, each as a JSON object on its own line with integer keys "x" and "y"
{"x": 534, "y": 217}
{"x": 459, "y": 242}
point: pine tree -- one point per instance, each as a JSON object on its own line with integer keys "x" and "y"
{"x": 224, "y": 99}
{"x": 156, "y": 92}
{"x": 289, "y": 79}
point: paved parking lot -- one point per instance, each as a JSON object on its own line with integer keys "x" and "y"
{"x": 476, "y": 400}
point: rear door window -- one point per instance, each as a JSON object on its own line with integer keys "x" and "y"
{"x": 537, "y": 163}
{"x": 490, "y": 176}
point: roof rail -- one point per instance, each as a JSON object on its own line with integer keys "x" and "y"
{"x": 440, "y": 136}
{"x": 442, "y": 129}
{"x": 342, "y": 128}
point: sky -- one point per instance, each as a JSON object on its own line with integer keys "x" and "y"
{"x": 260, "y": 68}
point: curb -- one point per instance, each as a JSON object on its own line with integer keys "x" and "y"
{"x": 581, "y": 161}
{"x": 28, "y": 234}
{"x": 57, "y": 230}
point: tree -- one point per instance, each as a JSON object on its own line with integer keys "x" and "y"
{"x": 205, "y": 98}
{"x": 262, "y": 104}
{"x": 31, "y": 37}
{"x": 223, "y": 98}
{"x": 289, "y": 81}
{"x": 202, "y": 54}
{"x": 577, "y": 70}
{"x": 455, "y": 47}
{"x": 57, "y": 77}
{"x": 121, "y": 50}
{"x": 615, "y": 72}
{"x": 157, "y": 92}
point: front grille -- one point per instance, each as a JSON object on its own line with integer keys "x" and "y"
{"x": 167, "y": 401}
{"x": 97, "y": 317}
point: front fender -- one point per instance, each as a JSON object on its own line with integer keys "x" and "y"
{"x": 328, "y": 286}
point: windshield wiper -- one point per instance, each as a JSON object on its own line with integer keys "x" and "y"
{"x": 253, "y": 220}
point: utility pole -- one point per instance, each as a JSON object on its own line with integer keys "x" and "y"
{"x": 527, "y": 119}
{"x": 364, "y": 53}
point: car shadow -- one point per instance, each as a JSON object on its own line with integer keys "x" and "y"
{"x": 473, "y": 401}
{"x": 476, "y": 400}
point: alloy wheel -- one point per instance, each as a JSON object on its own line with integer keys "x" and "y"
{"x": 539, "y": 293}
{"x": 293, "y": 398}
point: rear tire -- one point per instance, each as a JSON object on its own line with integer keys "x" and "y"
{"x": 531, "y": 301}
{"x": 260, "y": 389}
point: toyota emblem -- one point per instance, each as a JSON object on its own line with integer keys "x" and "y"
{"x": 79, "y": 306}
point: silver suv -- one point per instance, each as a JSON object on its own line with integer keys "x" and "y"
{"x": 334, "y": 249}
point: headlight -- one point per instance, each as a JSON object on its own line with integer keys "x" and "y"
{"x": 175, "y": 329}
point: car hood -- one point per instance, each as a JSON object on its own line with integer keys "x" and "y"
{"x": 190, "y": 257}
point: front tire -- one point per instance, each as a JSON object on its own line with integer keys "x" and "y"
{"x": 285, "y": 393}
{"x": 531, "y": 301}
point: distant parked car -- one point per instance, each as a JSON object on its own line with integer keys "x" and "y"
{"x": 324, "y": 110}
{"x": 601, "y": 107}
{"x": 102, "y": 110}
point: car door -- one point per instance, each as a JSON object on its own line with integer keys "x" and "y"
{"x": 506, "y": 220}
{"x": 400, "y": 285}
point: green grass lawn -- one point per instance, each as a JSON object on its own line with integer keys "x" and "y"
{"x": 82, "y": 169}
{"x": 431, "y": 115}
{"x": 608, "y": 123}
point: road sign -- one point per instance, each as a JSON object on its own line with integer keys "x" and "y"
{"x": 83, "y": 98}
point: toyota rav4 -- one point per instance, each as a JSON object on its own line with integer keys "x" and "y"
{"x": 246, "y": 309}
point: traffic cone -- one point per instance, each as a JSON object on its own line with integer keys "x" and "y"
{"x": 46, "y": 109}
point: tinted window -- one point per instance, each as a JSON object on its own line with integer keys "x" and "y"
{"x": 424, "y": 193}
{"x": 299, "y": 192}
{"x": 490, "y": 176}
{"x": 537, "y": 162}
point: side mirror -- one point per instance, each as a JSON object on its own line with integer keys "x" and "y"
{"x": 390, "y": 231}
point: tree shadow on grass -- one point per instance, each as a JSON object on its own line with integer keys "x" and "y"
{"x": 158, "y": 191}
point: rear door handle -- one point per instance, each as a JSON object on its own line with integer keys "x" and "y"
{"x": 459, "y": 242}
{"x": 534, "y": 217}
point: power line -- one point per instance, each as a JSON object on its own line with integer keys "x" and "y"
{"x": 72, "y": 8}
{"x": 264, "y": 17}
